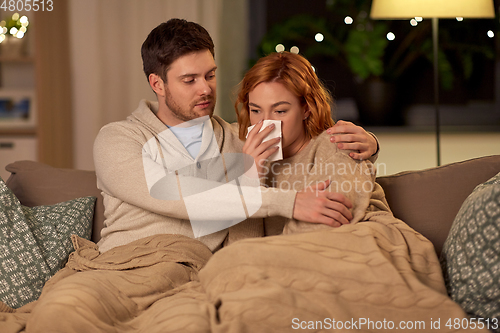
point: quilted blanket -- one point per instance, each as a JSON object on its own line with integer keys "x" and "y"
{"x": 374, "y": 276}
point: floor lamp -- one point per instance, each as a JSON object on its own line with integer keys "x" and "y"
{"x": 434, "y": 9}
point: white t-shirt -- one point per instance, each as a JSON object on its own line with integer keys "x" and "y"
{"x": 190, "y": 137}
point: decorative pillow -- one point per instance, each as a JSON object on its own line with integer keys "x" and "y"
{"x": 37, "y": 184}
{"x": 471, "y": 253}
{"x": 35, "y": 243}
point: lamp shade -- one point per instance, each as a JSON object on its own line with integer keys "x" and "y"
{"x": 403, "y": 9}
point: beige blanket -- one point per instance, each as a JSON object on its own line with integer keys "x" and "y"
{"x": 378, "y": 276}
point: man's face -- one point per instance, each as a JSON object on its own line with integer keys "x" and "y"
{"x": 190, "y": 90}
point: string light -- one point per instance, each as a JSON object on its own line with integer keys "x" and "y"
{"x": 280, "y": 48}
{"x": 319, "y": 37}
{"x": 491, "y": 34}
{"x": 18, "y": 27}
{"x": 294, "y": 49}
{"x": 391, "y": 36}
{"x": 348, "y": 20}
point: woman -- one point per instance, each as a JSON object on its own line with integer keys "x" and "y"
{"x": 378, "y": 268}
{"x": 284, "y": 87}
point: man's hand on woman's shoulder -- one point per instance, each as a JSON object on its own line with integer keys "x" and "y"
{"x": 349, "y": 136}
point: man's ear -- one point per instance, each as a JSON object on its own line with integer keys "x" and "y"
{"x": 157, "y": 84}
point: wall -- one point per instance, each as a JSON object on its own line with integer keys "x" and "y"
{"x": 106, "y": 37}
{"x": 416, "y": 151}
{"x": 108, "y": 81}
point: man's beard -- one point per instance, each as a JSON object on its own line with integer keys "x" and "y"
{"x": 188, "y": 114}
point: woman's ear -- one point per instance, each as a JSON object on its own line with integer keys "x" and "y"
{"x": 157, "y": 84}
{"x": 307, "y": 113}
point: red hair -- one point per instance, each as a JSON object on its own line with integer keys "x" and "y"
{"x": 297, "y": 75}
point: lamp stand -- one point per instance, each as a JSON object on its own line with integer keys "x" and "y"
{"x": 435, "y": 37}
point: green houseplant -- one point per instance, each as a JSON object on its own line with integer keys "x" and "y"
{"x": 375, "y": 62}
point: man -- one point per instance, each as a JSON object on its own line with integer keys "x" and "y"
{"x": 165, "y": 169}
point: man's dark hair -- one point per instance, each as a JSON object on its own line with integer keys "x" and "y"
{"x": 171, "y": 40}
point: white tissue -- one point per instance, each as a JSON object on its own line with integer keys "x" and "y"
{"x": 275, "y": 133}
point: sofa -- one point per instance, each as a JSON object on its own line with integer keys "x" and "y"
{"x": 426, "y": 200}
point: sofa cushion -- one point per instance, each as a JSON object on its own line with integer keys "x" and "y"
{"x": 37, "y": 184}
{"x": 471, "y": 253}
{"x": 35, "y": 243}
{"x": 428, "y": 200}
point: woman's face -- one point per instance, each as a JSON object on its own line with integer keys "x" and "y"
{"x": 272, "y": 100}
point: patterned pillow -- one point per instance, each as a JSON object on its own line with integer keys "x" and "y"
{"x": 471, "y": 253}
{"x": 35, "y": 243}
